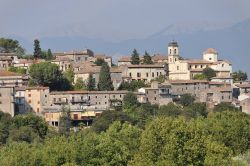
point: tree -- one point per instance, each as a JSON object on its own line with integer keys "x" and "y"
{"x": 49, "y": 55}
{"x": 209, "y": 73}
{"x": 224, "y": 107}
{"x": 11, "y": 46}
{"x": 19, "y": 70}
{"x": 135, "y": 59}
{"x": 37, "y": 49}
{"x": 130, "y": 100}
{"x": 147, "y": 58}
{"x": 79, "y": 85}
{"x": 108, "y": 117}
{"x": 170, "y": 110}
{"x": 64, "y": 122}
{"x": 99, "y": 61}
{"x": 23, "y": 134}
{"x": 160, "y": 78}
{"x": 69, "y": 75}
{"x": 134, "y": 85}
{"x": 91, "y": 83}
{"x": 186, "y": 99}
{"x": 48, "y": 74}
{"x": 199, "y": 77}
{"x": 105, "y": 83}
{"x": 239, "y": 76}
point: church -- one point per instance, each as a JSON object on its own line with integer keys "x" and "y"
{"x": 186, "y": 69}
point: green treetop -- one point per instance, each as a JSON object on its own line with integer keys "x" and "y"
{"x": 209, "y": 73}
{"x": 239, "y": 76}
{"x": 105, "y": 83}
{"x": 91, "y": 83}
{"x": 135, "y": 59}
{"x": 37, "y": 49}
{"x": 147, "y": 58}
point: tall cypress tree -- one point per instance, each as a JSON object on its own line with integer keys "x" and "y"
{"x": 135, "y": 59}
{"x": 147, "y": 58}
{"x": 105, "y": 83}
{"x": 37, "y": 49}
{"x": 49, "y": 55}
{"x": 91, "y": 82}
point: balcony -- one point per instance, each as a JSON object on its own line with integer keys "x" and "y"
{"x": 81, "y": 101}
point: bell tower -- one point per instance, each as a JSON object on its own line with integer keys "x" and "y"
{"x": 173, "y": 52}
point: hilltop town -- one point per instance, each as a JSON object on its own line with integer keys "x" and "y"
{"x": 156, "y": 79}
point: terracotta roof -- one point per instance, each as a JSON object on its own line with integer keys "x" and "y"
{"x": 101, "y": 56}
{"x": 125, "y": 59}
{"x": 217, "y": 83}
{"x": 58, "y": 59}
{"x": 89, "y": 69}
{"x": 84, "y": 52}
{"x": 210, "y": 51}
{"x": 8, "y": 73}
{"x": 198, "y": 61}
{"x": 8, "y": 54}
{"x": 221, "y": 61}
{"x": 84, "y": 64}
{"x": 158, "y": 57}
{"x": 187, "y": 81}
{"x": 243, "y": 85}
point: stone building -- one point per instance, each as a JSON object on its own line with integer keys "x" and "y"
{"x": 144, "y": 72}
{"x": 180, "y": 69}
{"x": 31, "y": 99}
{"x": 194, "y": 87}
{"x": 7, "y": 100}
{"x": 63, "y": 63}
{"x": 159, "y": 94}
{"x": 245, "y": 105}
{"x": 12, "y": 79}
{"x": 5, "y": 62}
{"x": 214, "y": 96}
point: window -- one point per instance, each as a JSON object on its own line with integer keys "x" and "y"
{"x": 210, "y": 59}
{"x": 155, "y": 91}
{"x": 38, "y": 102}
{"x": 175, "y": 51}
{"x": 45, "y": 95}
{"x": 29, "y": 95}
{"x": 177, "y": 67}
{"x": 155, "y": 98}
{"x": 195, "y": 66}
{"x": 222, "y": 65}
{"x": 96, "y": 97}
{"x": 170, "y": 51}
{"x": 120, "y": 96}
{"x": 160, "y": 73}
{"x": 229, "y": 97}
{"x": 0, "y": 94}
{"x": 201, "y": 66}
{"x": 146, "y": 74}
{"x": 29, "y": 101}
{"x": 37, "y": 110}
{"x": 190, "y": 66}
{"x": 105, "y": 102}
{"x": 153, "y": 74}
{"x": 157, "y": 74}
{"x": 54, "y": 99}
{"x": 130, "y": 74}
{"x": 138, "y": 74}
{"x": 222, "y": 97}
{"x": 105, "y": 97}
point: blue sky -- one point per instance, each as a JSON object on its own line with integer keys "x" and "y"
{"x": 115, "y": 20}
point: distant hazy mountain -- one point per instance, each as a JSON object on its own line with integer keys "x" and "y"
{"x": 232, "y": 43}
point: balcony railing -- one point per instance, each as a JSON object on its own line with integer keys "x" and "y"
{"x": 83, "y": 101}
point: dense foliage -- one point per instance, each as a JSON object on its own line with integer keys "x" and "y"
{"x": 19, "y": 70}
{"x": 134, "y": 85}
{"x": 11, "y": 46}
{"x": 145, "y": 136}
{"x": 48, "y": 74}
{"x": 90, "y": 83}
{"x": 239, "y": 76}
{"x": 99, "y": 61}
{"x": 209, "y": 73}
{"x": 37, "y": 49}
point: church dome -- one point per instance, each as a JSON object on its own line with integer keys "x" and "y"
{"x": 173, "y": 44}
{"x": 210, "y": 51}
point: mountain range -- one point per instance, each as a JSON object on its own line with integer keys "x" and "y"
{"x": 232, "y": 43}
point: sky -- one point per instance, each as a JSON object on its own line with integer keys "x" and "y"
{"x": 115, "y": 20}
